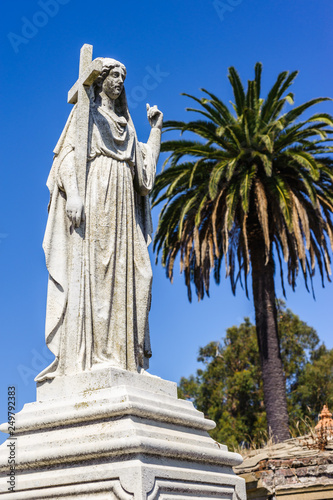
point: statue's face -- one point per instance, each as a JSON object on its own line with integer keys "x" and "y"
{"x": 114, "y": 83}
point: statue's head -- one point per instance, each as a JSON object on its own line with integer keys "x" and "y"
{"x": 111, "y": 80}
{"x": 111, "y": 83}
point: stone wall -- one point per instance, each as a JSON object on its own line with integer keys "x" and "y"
{"x": 290, "y": 470}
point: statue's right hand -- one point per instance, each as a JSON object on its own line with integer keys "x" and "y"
{"x": 74, "y": 210}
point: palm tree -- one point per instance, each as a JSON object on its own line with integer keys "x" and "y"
{"x": 254, "y": 189}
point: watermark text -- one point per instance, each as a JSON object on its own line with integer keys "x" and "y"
{"x": 223, "y": 7}
{"x": 11, "y": 445}
{"x": 151, "y": 80}
{"x": 31, "y": 26}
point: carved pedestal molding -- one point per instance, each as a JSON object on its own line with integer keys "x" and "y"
{"x": 113, "y": 434}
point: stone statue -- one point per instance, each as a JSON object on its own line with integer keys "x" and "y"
{"x": 99, "y": 227}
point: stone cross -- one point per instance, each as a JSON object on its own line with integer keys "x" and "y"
{"x": 88, "y": 72}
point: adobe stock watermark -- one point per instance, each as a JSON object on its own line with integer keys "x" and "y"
{"x": 39, "y": 360}
{"x": 11, "y": 473}
{"x": 150, "y": 81}
{"x": 224, "y": 6}
{"x": 30, "y": 27}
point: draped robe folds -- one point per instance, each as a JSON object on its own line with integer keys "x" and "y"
{"x": 115, "y": 284}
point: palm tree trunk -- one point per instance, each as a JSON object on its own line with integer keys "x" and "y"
{"x": 268, "y": 342}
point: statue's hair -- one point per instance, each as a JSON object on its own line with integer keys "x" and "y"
{"x": 108, "y": 64}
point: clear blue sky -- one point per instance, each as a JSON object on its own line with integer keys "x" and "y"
{"x": 182, "y": 46}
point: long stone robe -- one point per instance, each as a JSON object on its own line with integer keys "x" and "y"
{"x": 111, "y": 325}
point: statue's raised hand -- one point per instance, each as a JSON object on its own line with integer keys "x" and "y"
{"x": 155, "y": 116}
{"x": 74, "y": 210}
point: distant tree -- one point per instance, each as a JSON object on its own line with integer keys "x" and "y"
{"x": 229, "y": 389}
{"x": 314, "y": 385}
{"x": 252, "y": 186}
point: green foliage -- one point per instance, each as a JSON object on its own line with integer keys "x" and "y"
{"x": 229, "y": 388}
{"x": 254, "y": 172}
{"x": 314, "y": 385}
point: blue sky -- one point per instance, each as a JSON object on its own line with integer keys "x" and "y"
{"x": 182, "y": 46}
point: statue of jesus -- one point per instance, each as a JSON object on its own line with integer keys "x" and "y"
{"x": 97, "y": 312}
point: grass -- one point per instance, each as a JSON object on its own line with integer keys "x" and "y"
{"x": 303, "y": 430}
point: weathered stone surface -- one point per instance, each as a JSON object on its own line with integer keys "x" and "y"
{"x": 131, "y": 440}
{"x": 291, "y": 470}
{"x": 99, "y": 227}
{"x": 71, "y": 385}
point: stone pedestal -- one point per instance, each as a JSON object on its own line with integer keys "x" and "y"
{"x": 112, "y": 434}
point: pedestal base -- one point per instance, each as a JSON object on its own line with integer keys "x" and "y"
{"x": 113, "y": 434}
